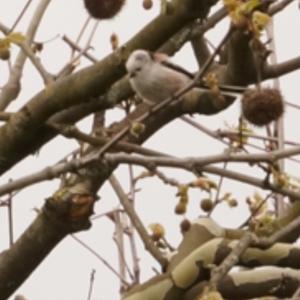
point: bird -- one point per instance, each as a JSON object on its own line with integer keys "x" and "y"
{"x": 155, "y": 78}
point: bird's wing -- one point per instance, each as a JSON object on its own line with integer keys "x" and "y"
{"x": 163, "y": 59}
{"x": 177, "y": 68}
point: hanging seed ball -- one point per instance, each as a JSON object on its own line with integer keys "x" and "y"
{"x": 103, "y": 9}
{"x": 147, "y": 4}
{"x": 261, "y": 107}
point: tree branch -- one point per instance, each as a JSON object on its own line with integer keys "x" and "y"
{"x": 12, "y": 88}
{"x": 273, "y": 71}
{"x": 148, "y": 243}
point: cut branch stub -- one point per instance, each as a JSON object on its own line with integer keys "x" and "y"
{"x": 71, "y": 209}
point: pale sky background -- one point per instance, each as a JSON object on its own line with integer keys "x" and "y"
{"x": 66, "y": 271}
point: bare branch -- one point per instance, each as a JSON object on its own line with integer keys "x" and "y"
{"x": 234, "y": 133}
{"x": 84, "y": 27}
{"x": 148, "y": 243}
{"x": 92, "y": 279}
{"x": 105, "y": 263}
{"x": 232, "y": 259}
{"x": 196, "y": 162}
{"x": 190, "y": 164}
{"x": 277, "y": 7}
{"x": 69, "y": 68}
{"x": 70, "y": 131}
{"x": 74, "y": 46}
{"x": 132, "y": 239}
{"x": 21, "y": 15}
{"x": 47, "y": 78}
{"x": 12, "y": 88}
{"x": 273, "y": 71}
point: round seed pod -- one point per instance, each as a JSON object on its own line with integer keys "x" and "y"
{"x": 147, "y": 4}
{"x": 103, "y": 9}
{"x": 261, "y": 107}
{"x": 206, "y": 204}
{"x": 185, "y": 225}
{"x": 180, "y": 208}
{"x": 4, "y": 54}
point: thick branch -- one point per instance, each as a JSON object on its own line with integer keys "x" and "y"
{"x": 251, "y": 284}
{"x": 17, "y": 262}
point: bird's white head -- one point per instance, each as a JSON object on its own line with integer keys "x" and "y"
{"x": 137, "y": 60}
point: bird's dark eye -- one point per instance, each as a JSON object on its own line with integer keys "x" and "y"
{"x": 134, "y": 73}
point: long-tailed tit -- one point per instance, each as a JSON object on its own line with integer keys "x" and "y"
{"x": 154, "y": 78}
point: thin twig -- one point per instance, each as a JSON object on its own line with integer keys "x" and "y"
{"x": 148, "y": 243}
{"x": 203, "y": 129}
{"x": 84, "y": 27}
{"x": 12, "y": 87}
{"x": 10, "y": 219}
{"x": 20, "y": 16}
{"x": 232, "y": 259}
{"x": 165, "y": 179}
{"x": 77, "y": 48}
{"x": 218, "y": 134}
{"x": 47, "y": 78}
{"x": 132, "y": 241}
{"x": 92, "y": 279}
{"x": 279, "y": 124}
{"x": 292, "y": 105}
{"x": 105, "y": 214}
{"x": 70, "y": 131}
{"x": 123, "y": 260}
{"x": 256, "y": 210}
{"x": 232, "y": 133}
{"x": 218, "y": 192}
{"x": 69, "y": 68}
{"x": 119, "y": 240}
{"x": 100, "y": 258}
